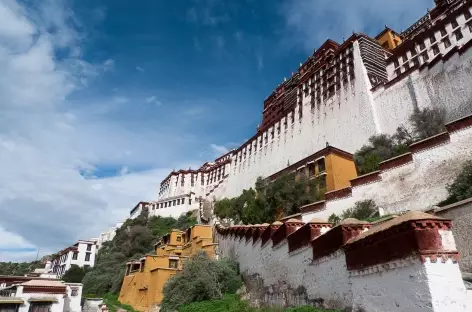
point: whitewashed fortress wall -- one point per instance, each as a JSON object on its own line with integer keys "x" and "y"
{"x": 413, "y": 259}
{"x": 416, "y": 180}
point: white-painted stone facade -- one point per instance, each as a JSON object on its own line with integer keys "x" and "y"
{"x": 416, "y": 185}
{"x": 410, "y": 283}
{"x": 108, "y": 235}
{"x": 82, "y": 253}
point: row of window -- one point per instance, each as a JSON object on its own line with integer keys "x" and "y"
{"x": 171, "y": 203}
{"x": 420, "y": 53}
{"x": 212, "y": 177}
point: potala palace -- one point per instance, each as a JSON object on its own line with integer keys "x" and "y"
{"x": 339, "y": 97}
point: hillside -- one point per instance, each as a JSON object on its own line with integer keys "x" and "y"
{"x": 133, "y": 240}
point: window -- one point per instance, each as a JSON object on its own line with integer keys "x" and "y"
{"x": 311, "y": 169}
{"x": 470, "y": 28}
{"x": 413, "y": 52}
{"x": 183, "y": 201}
{"x": 9, "y": 307}
{"x": 320, "y": 164}
{"x": 443, "y": 32}
{"x": 447, "y": 43}
{"x": 454, "y": 24}
{"x": 458, "y": 34}
{"x": 432, "y": 39}
{"x": 179, "y": 238}
{"x": 467, "y": 15}
{"x": 89, "y": 247}
{"x": 422, "y": 46}
{"x": 173, "y": 202}
{"x": 435, "y": 50}
{"x": 178, "y": 201}
{"x": 74, "y": 292}
{"x": 173, "y": 264}
{"x": 87, "y": 256}
{"x": 189, "y": 201}
{"x": 425, "y": 57}
{"x": 40, "y": 307}
{"x": 75, "y": 255}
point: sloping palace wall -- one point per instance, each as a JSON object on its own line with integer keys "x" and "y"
{"x": 416, "y": 180}
{"x": 406, "y": 264}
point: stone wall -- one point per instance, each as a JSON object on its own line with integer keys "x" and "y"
{"x": 414, "y": 181}
{"x": 346, "y": 121}
{"x": 406, "y": 264}
{"x": 461, "y": 215}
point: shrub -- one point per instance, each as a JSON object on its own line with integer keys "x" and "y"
{"x": 424, "y": 123}
{"x": 229, "y": 303}
{"x": 269, "y": 201}
{"x": 362, "y": 210}
{"x": 461, "y": 187}
{"x": 75, "y": 274}
{"x": 201, "y": 278}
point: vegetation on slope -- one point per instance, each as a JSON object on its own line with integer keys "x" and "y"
{"x": 364, "y": 210}
{"x": 461, "y": 187}
{"x": 19, "y": 268}
{"x": 424, "y": 123}
{"x": 269, "y": 201}
{"x": 232, "y": 303}
{"x": 202, "y": 278}
{"x": 135, "y": 238}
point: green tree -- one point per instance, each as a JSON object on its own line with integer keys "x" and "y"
{"x": 75, "y": 274}
{"x": 269, "y": 200}
{"x": 424, "y": 123}
{"x": 427, "y": 122}
{"x": 461, "y": 187}
{"x": 201, "y": 278}
{"x": 362, "y": 210}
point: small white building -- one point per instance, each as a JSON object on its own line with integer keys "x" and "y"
{"x": 29, "y": 294}
{"x": 81, "y": 253}
{"x": 108, "y": 235}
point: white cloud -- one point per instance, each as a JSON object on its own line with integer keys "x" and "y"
{"x": 150, "y": 99}
{"x": 45, "y": 140}
{"x": 219, "y": 150}
{"x": 140, "y": 69}
{"x": 120, "y": 99}
{"x": 310, "y": 22}
{"x": 153, "y": 100}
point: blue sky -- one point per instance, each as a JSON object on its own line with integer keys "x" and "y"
{"x": 99, "y": 100}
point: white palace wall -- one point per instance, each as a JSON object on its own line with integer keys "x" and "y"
{"x": 415, "y": 181}
{"x": 328, "y": 269}
{"x": 346, "y": 121}
{"x": 446, "y": 85}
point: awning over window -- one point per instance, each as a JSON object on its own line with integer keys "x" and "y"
{"x": 42, "y": 299}
{"x": 11, "y": 300}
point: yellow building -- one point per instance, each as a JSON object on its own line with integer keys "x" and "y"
{"x": 144, "y": 279}
{"x": 333, "y": 166}
{"x": 389, "y": 39}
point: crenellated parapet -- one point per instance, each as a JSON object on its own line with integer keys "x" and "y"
{"x": 345, "y": 266}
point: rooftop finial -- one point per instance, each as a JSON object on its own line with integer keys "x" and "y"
{"x": 285, "y": 78}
